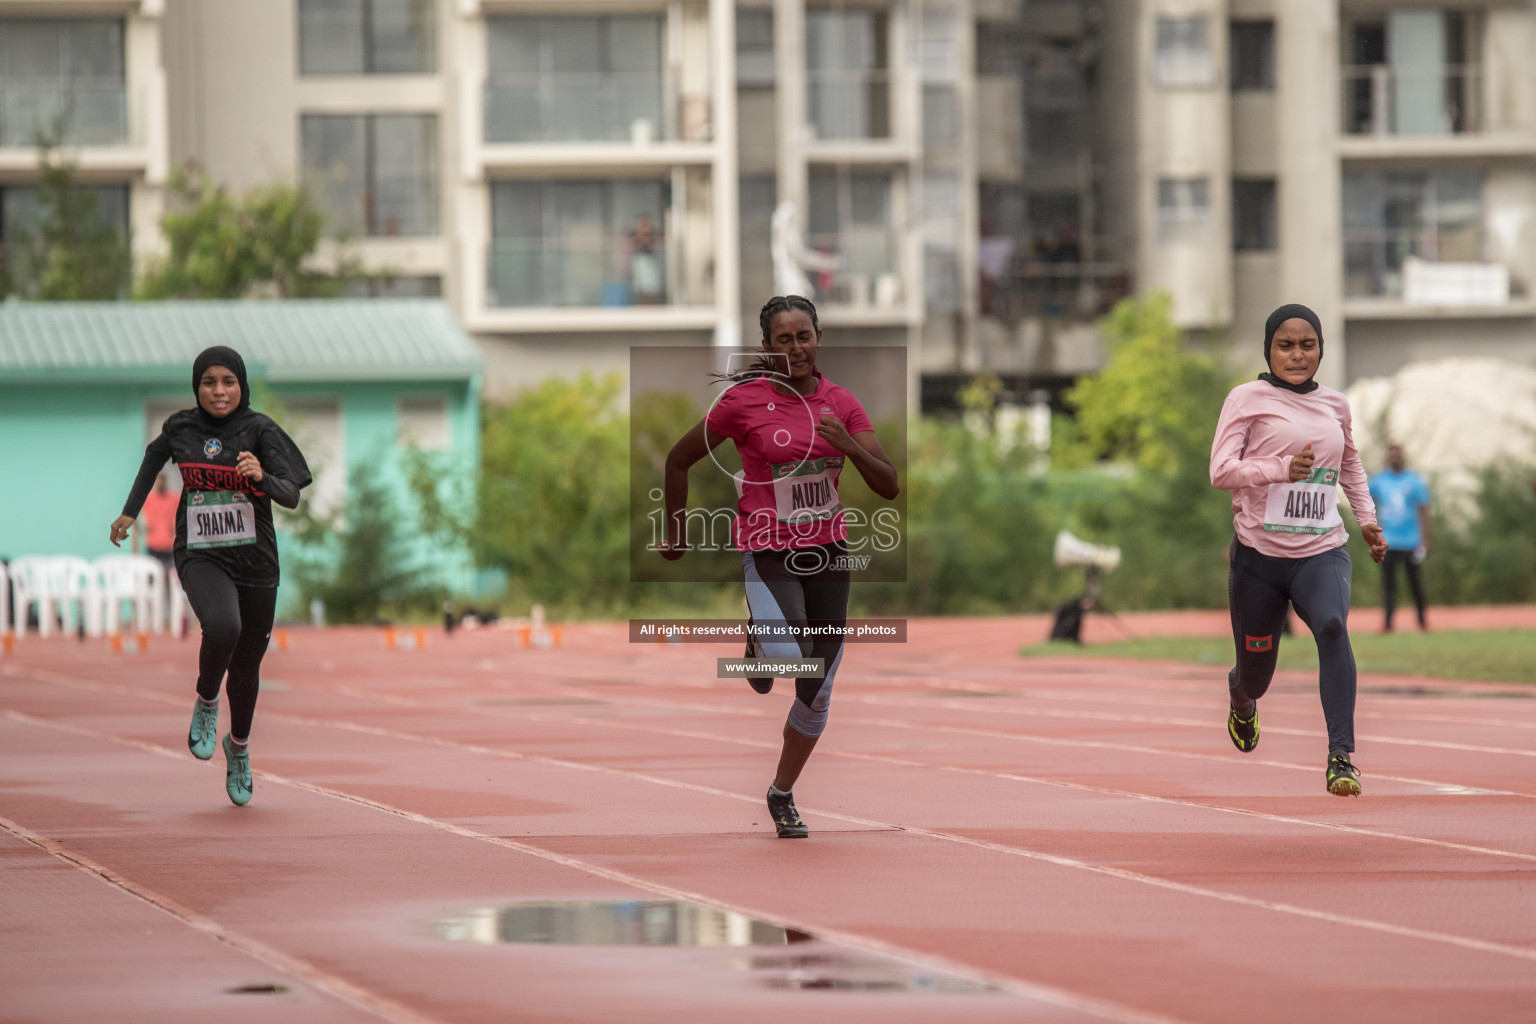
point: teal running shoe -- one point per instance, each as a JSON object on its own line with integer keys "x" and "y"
{"x": 237, "y": 774}
{"x": 204, "y": 731}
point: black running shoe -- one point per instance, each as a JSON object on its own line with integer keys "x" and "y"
{"x": 1343, "y": 777}
{"x": 785, "y": 818}
{"x": 1244, "y": 731}
{"x": 762, "y": 684}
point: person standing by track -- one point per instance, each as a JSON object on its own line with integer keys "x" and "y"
{"x": 1284, "y": 447}
{"x": 795, "y": 431}
{"x": 1402, "y": 499}
{"x": 234, "y": 464}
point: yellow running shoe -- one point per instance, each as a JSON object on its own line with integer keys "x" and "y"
{"x": 1343, "y": 777}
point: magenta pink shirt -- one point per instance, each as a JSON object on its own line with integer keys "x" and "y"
{"x": 787, "y": 490}
{"x": 1261, "y": 427}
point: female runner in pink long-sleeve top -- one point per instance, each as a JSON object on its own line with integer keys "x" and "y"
{"x": 1283, "y": 447}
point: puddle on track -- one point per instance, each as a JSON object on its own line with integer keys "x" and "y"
{"x": 814, "y": 964}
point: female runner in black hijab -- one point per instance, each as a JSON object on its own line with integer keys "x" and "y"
{"x": 234, "y": 463}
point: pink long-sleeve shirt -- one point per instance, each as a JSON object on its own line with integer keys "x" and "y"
{"x": 1261, "y": 427}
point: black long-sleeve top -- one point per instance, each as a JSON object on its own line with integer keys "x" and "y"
{"x": 230, "y": 516}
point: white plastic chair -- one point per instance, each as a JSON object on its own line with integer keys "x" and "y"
{"x": 49, "y": 583}
{"x": 76, "y": 594}
{"x": 136, "y": 578}
{"x": 175, "y": 604}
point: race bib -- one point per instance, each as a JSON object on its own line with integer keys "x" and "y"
{"x": 806, "y": 492}
{"x": 1306, "y": 506}
{"x": 219, "y": 519}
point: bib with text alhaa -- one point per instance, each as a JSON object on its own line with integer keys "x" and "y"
{"x": 1306, "y": 506}
{"x": 806, "y": 491}
{"x": 219, "y": 519}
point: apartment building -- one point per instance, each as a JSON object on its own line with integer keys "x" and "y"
{"x": 1371, "y": 158}
{"x": 976, "y": 180}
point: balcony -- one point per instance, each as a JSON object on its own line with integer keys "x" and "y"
{"x": 849, "y": 105}
{"x": 638, "y": 108}
{"x": 1398, "y": 269}
{"x": 1060, "y": 280}
{"x": 595, "y": 273}
{"x": 1383, "y": 100}
{"x": 88, "y": 114}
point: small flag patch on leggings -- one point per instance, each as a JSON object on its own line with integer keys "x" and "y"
{"x": 1260, "y": 643}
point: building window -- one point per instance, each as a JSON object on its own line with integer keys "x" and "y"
{"x": 64, "y": 77}
{"x": 21, "y": 214}
{"x": 1414, "y": 73}
{"x": 754, "y": 47}
{"x": 367, "y": 37}
{"x": 1255, "y": 225}
{"x": 421, "y": 422}
{"x": 1183, "y": 202}
{"x": 941, "y": 234}
{"x": 939, "y": 56}
{"x": 374, "y": 174}
{"x": 1055, "y": 98}
{"x": 848, "y": 86}
{"x": 396, "y": 286}
{"x": 578, "y": 243}
{"x": 1435, "y": 216}
{"x": 1183, "y": 56}
{"x": 850, "y": 219}
{"x": 1253, "y": 56}
{"x": 575, "y": 79}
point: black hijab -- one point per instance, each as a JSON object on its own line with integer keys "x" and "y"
{"x": 221, "y": 355}
{"x": 1291, "y": 311}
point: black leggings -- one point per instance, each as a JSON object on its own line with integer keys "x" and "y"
{"x": 1389, "y": 583}
{"x": 1260, "y": 589}
{"x": 237, "y": 622}
{"x": 803, "y": 587}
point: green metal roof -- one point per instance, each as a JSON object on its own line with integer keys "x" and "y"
{"x": 281, "y": 340}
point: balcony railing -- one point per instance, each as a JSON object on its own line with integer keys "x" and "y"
{"x": 1376, "y": 261}
{"x": 1059, "y": 281}
{"x": 539, "y": 272}
{"x": 859, "y": 268}
{"x": 580, "y": 107}
{"x": 87, "y": 114}
{"x": 1445, "y": 99}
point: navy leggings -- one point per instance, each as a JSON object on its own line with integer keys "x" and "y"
{"x": 237, "y": 622}
{"x": 1260, "y": 589}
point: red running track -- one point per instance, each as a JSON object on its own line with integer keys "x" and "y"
{"x": 1040, "y": 840}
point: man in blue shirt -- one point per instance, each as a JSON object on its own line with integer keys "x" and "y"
{"x": 1402, "y": 506}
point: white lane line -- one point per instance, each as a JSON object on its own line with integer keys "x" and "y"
{"x": 1029, "y": 989}
{"x": 1066, "y": 861}
{"x": 338, "y": 988}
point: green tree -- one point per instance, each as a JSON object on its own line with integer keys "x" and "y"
{"x": 1151, "y": 406}
{"x": 356, "y": 561}
{"x": 72, "y": 252}
{"x": 228, "y": 246}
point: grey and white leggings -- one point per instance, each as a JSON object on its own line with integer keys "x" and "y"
{"x": 1259, "y": 588}
{"x": 802, "y": 587}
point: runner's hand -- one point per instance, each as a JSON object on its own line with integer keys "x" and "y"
{"x": 120, "y": 527}
{"x": 1372, "y": 534}
{"x": 834, "y": 433}
{"x": 1301, "y": 463}
{"x": 248, "y": 465}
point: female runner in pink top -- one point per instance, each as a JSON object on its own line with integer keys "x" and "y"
{"x": 1283, "y": 448}
{"x": 795, "y": 431}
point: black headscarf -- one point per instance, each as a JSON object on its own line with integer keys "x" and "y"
{"x": 1291, "y": 311}
{"x": 221, "y": 355}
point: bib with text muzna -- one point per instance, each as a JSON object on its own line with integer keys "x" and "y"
{"x": 806, "y": 491}
{"x": 219, "y": 519}
{"x": 1306, "y": 506}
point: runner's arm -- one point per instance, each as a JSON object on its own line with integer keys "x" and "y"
{"x": 693, "y": 446}
{"x": 1230, "y": 471}
{"x": 1353, "y": 481}
{"x": 876, "y": 467}
{"x": 155, "y": 455}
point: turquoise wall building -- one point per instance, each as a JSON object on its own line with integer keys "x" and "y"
{"x": 358, "y": 383}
